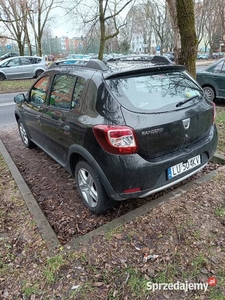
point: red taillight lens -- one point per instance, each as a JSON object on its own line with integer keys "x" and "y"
{"x": 214, "y": 112}
{"x": 116, "y": 139}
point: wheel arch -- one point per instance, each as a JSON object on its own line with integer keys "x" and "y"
{"x": 2, "y": 75}
{"x": 77, "y": 153}
{"x": 211, "y": 86}
{"x": 38, "y": 73}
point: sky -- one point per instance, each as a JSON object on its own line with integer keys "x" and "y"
{"x": 64, "y": 26}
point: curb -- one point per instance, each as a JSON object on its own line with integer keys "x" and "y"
{"x": 48, "y": 234}
{"x": 43, "y": 226}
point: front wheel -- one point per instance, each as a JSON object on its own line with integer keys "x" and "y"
{"x": 24, "y": 136}
{"x": 2, "y": 77}
{"x": 91, "y": 190}
{"x": 209, "y": 93}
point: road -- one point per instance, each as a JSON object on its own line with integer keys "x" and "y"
{"x": 7, "y": 110}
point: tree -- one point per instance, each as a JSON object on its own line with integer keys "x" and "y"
{"x": 186, "y": 24}
{"x": 101, "y": 16}
{"x": 19, "y": 16}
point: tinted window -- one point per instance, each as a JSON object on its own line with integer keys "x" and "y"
{"x": 77, "y": 92}
{"x": 26, "y": 61}
{"x": 154, "y": 91}
{"x": 38, "y": 94}
{"x": 62, "y": 90}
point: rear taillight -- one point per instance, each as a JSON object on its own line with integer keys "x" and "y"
{"x": 214, "y": 112}
{"x": 116, "y": 139}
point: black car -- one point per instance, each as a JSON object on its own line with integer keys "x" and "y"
{"x": 125, "y": 129}
{"x": 9, "y": 54}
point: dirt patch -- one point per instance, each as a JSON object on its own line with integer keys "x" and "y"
{"x": 55, "y": 190}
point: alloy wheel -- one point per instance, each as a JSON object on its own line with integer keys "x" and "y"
{"x": 87, "y": 187}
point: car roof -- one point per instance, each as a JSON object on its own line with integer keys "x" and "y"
{"x": 119, "y": 67}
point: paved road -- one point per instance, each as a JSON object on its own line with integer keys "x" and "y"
{"x": 7, "y": 110}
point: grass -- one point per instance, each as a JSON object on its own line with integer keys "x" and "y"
{"x": 9, "y": 86}
{"x": 53, "y": 265}
{"x": 220, "y": 122}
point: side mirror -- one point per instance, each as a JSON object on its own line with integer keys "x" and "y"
{"x": 19, "y": 98}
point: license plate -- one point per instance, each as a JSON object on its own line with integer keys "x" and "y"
{"x": 183, "y": 167}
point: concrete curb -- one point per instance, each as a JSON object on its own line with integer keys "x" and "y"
{"x": 48, "y": 233}
{"x": 43, "y": 226}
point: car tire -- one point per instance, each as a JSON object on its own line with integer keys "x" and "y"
{"x": 38, "y": 73}
{"x": 209, "y": 93}
{"x": 91, "y": 189}
{"x": 2, "y": 77}
{"x": 24, "y": 136}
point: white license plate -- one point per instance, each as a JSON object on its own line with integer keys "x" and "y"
{"x": 183, "y": 167}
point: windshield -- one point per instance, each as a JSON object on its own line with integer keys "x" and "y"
{"x": 157, "y": 91}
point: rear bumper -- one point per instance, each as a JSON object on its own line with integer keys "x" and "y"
{"x": 119, "y": 173}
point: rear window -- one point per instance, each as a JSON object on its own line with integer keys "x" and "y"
{"x": 155, "y": 91}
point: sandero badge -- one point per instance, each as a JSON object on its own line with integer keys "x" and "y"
{"x": 124, "y": 129}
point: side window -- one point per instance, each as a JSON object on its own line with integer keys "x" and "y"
{"x": 218, "y": 68}
{"x": 80, "y": 83}
{"x": 223, "y": 68}
{"x": 62, "y": 90}
{"x": 38, "y": 94}
{"x": 26, "y": 61}
{"x": 91, "y": 99}
{"x": 13, "y": 62}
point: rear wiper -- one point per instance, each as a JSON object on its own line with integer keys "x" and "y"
{"x": 185, "y": 101}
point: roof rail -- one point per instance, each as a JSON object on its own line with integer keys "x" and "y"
{"x": 155, "y": 59}
{"x": 89, "y": 63}
{"x": 95, "y": 64}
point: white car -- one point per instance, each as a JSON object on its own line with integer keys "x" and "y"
{"x": 20, "y": 67}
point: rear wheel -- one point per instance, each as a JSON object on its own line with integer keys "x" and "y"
{"x": 38, "y": 73}
{"x": 91, "y": 190}
{"x": 24, "y": 136}
{"x": 209, "y": 93}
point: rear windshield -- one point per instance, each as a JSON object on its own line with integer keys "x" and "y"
{"x": 155, "y": 91}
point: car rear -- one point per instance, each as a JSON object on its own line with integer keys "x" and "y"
{"x": 162, "y": 131}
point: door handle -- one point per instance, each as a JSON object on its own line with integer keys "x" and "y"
{"x": 66, "y": 128}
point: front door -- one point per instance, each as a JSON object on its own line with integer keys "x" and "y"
{"x": 33, "y": 110}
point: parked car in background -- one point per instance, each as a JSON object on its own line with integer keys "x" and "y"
{"x": 125, "y": 129}
{"x": 217, "y": 55}
{"x": 170, "y": 55}
{"x": 10, "y": 54}
{"x": 202, "y": 56}
{"x": 212, "y": 80}
{"x": 22, "y": 67}
{"x": 68, "y": 61}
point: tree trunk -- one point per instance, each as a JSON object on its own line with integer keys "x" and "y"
{"x": 177, "y": 41}
{"x": 186, "y": 24}
{"x": 102, "y": 30}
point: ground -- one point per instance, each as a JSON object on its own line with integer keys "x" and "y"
{"x": 185, "y": 237}
{"x": 55, "y": 190}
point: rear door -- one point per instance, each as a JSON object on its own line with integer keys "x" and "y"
{"x": 61, "y": 114}
{"x": 27, "y": 67}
